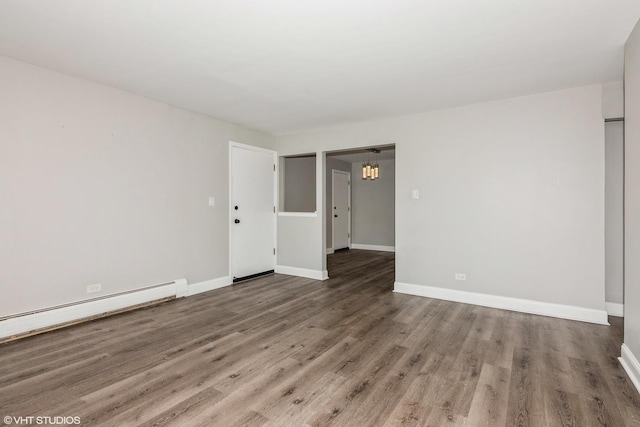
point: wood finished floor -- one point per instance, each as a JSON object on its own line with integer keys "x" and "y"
{"x": 285, "y": 351}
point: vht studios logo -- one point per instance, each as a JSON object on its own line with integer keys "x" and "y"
{"x": 40, "y": 420}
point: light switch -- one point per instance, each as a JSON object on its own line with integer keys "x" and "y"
{"x": 212, "y": 201}
{"x": 415, "y": 194}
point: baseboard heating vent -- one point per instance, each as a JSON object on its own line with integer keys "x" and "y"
{"x": 35, "y": 322}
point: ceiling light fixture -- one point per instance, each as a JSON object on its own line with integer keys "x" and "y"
{"x": 370, "y": 168}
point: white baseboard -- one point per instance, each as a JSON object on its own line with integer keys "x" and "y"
{"x": 302, "y": 272}
{"x": 631, "y": 365}
{"x": 42, "y": 319}
{"x": 181, "y": 288}
{"x": 373, "y": 247}
{"x": 614, "y": 309}
{"x": 208, "y": 285}
{"x": 506, "y": 303}
{"x": 329, "y": 251}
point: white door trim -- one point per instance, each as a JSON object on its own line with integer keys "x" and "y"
{"x": 233, "y": 144}
{"x": 333, "y": 228}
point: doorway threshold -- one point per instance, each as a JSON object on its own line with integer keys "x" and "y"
{"x": 252, "y": 276}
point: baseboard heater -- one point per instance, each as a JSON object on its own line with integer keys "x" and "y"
{"x": 34, "y": 322}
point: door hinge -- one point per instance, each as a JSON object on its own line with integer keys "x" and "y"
{"x": 348, "y": 234}
{"x": 274, "y": 167}
{"x": 274, "y": 209}
{"x": 349, "y": 209}
{"x": 274, "y": 251}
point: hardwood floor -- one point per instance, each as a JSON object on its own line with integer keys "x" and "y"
{"x": 286, "y": 351}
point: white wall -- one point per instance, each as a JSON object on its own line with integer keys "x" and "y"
{"x": 373, "y": 206}
{"x": 511, "y": 193}
{"x": 295, "y": 242}
{"x": 631, "y": 347}
{"x": 614, "y": 206}
{"x": 103, "y": 186}
{"x": 302, "y": 236}
{"x": 613, "y": 100}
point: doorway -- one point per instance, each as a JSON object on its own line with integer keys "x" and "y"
{"x": 614, "y": 217}
{"x": 370, "y": 212}
{"x": 341, "y": 209}
{"x": 252, "y": 213}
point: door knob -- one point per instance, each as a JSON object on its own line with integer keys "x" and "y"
{"x": 237, "y": 221}
{"x": 335, "y": 216}
{"x": 236, "y": 207}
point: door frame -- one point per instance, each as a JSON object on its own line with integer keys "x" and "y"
{"x": 333, "y": 195}
{"x": 232, "y": 145}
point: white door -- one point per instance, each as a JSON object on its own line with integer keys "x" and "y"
{"x": 252, "y": 216}
{"x": 341, "y": 191}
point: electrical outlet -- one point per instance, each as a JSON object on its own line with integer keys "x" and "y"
{"x": 461, "y": 276}
{"x": 97, "y": 287}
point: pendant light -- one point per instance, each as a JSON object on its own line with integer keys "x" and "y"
{"x": 370, "y": 168}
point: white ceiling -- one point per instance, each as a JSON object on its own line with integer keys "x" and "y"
{"x": 287, "y": 65}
